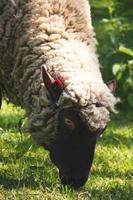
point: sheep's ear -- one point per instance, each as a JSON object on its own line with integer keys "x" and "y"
{"x": 69, "y": 123}
{"x": 54, "y": 86}
{"x": 112, "y": 86}
{"x": 47, "y": 78}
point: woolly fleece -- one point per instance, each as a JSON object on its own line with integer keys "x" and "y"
{"x": 59, "y": 35}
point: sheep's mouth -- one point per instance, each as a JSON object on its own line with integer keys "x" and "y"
{"x": 73, "y": 181}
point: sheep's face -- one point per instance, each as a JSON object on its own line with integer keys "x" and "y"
{"x": 78, "y": 127}
{"x": 73, "y": 150}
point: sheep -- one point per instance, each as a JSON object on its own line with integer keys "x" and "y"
{"x": 49, "y": 67}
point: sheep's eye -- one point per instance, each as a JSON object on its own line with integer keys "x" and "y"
{"x": 98, "y": 104}
{"x": 69, "y": 124}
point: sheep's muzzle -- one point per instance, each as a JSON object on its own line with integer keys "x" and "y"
{"x": 73, "y": 150}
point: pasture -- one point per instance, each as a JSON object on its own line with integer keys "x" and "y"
{"x": 27, "y": 173}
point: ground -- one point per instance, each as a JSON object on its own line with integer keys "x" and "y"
{"x": 27, "y": 173}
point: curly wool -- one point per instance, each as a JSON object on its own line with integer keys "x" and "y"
{"x": 59, "y": 34}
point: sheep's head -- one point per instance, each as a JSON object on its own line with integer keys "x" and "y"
{"x": 78, "y": 128}
{"x": 73, "y": 150}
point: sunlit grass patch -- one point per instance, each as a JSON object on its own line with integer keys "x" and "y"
{"x": 10, "y": 115}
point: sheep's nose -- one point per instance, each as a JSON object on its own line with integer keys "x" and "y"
{"x": 74, "y": 182}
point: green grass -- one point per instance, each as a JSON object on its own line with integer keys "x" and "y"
{"x": 27, "y": 173}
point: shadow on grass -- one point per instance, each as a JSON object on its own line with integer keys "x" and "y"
{"x": 116, "y": 140}
{"x": 119, "y": 131}
{"x": 34, "y": 177}
{"x": 29, "y": 182}
{"x": 10, "y": 183}
{"x": 113, "y": 192}
{"x": 104, "y": 173}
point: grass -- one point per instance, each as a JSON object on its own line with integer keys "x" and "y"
{"x": 27, "y": 173}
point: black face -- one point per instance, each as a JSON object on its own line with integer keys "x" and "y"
{"x": 73, "y": 150}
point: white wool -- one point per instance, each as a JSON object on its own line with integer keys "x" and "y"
{"x": 59, "y": 35}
